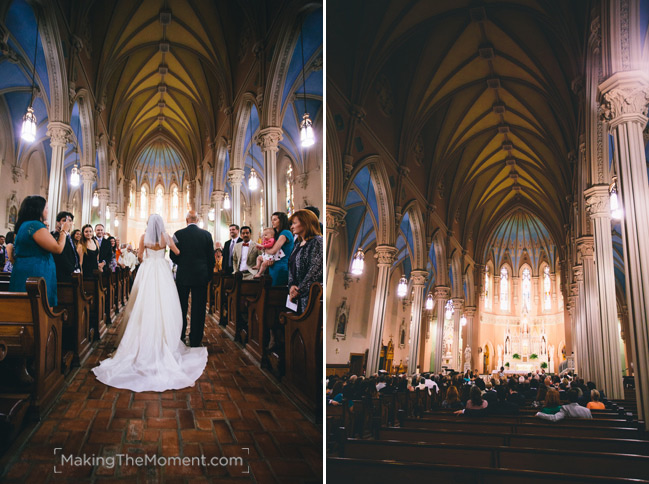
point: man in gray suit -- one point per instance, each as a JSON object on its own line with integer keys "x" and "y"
{"x": 244, "y": 257}
{"x": 572, "y": 410}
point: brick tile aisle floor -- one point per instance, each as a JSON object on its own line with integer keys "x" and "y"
{"x": 234, "y": 410}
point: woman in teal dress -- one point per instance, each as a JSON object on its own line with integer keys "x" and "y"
{"x": 34, "y": 246}
{"x": 283, "y": 240}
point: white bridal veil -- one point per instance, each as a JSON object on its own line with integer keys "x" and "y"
{"x": 155, "y": 230}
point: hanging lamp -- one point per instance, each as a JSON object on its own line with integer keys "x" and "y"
{"x": 463, "y": 320}
{"x": 75, "y": 177}
{"x": 95, "y": 199}
{"x": 307, "y": 138}
{"x": 429, "y": 302}
{"x": 402, "y": 288}
{"x": 449, "y": 309}
{"x": 358, "y": 261}
{"x": 226, "y": 202}
{"x": 28, "y": 132}
{"x": 616, "y": 208}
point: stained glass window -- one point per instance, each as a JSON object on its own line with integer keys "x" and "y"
{"x": 487, "y": 288}
{"x": 175, "y": 203}
{"x": 547, "y": 289}
{"x": 527, "y": 290}
{"x": 504, "y": 289}
{"x": 144, "y": 203}
{"x": 159, "y": 201}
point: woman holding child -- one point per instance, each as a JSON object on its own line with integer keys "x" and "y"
{"x": 278, "y": 269}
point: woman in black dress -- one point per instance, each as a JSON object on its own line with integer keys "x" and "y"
{"x": 89, "y": 253}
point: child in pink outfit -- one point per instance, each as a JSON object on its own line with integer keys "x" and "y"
{"x": 268, "y": 240}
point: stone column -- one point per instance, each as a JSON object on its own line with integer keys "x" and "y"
{"x": 594, "y": 349}
{"x": 60, "y": 135}
{"x": 104, "y": 196}
{"x": 441, "y": 295}
{"x": 205, "y": 212}
{"x": 122, "y": 229}
{"x": 217, "y": 200}
{"x": 597, "y": 205}
{"x": 112, "y": 207}
{"x": 268, "y": 140}
{"x": 385, "y": 256}
{"x": 472, "y": 337}
{"x": 335, "y": 221}
{"x": 458, "y": 303}
{"x": 580, "y": 324}
{"x": 418, "y": 279}
{"x": 625, "y": 97}
{"x": 235, "y": 177}
{"x": 88, "y": 174}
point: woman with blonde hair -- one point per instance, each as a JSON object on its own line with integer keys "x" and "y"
{"x": 305, "y": 262}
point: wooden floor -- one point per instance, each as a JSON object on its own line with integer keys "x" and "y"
{"x": 234, "y": 410}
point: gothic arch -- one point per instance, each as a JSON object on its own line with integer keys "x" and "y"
{"x": 456, "y": 268}
{"x": 469, "y": 279}
{"x": 240, "y": 126}
{"x": 219, "y": 176}
{"x": 386, "y": 224}
{"x": 439, "y": 245}
{"x": 82, "y": 98}
{"x": 418, "y": 238}
{"x": 335, "y": 176}
{"x": 55, "y": 61}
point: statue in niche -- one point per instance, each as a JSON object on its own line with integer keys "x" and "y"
{"x": 467, "y": 358}
{"x": 342, "y": 317}
{"x": 500, "y": 356}
{"x": 507, "y": 345}
{"x": 12, "y": 211}
{"x": 543, "y": 345}
{"x": 402, "y": 334}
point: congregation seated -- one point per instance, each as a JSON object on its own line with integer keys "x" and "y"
{"x": 551, "y": 402}
{"x": 571, "y": 410}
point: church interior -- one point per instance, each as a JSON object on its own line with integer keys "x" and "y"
{"x": 116, "y": 110}
{"x": 487, "y": 212}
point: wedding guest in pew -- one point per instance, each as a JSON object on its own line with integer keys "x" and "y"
{"x": 128, "y": 259}
{"x": 9, "y": 250}
{"x": 34, "y": 246}
{"x": 552, "y": 403}
{"x": 106, "y": 254}
{"x": 452, "y": 399}
{"x": 594, "y": 403}
{"x": 112, "y": 247}
{"x": 88, "y": 251}
{"x": 67, "y": 261}
{"x": 278, "y": 269}
{"x": 541, "y": 393}
{"x": 244, "y": 255}
{"x": 3, "y": 252}
{"x": 490, "y": 395}
{"x": 76, "y": 237}
{"x": 218, "y": 258}
{"x": 476, "y": 405}
{"x": 571, "y": 410}
{"x": 305, "y": 263}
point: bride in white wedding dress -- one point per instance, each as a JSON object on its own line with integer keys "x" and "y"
{"x": 151, "y": 356}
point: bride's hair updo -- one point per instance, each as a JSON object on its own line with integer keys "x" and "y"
{"x": 155, "y": 230}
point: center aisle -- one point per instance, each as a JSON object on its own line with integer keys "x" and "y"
{"x": 234, "y": 410}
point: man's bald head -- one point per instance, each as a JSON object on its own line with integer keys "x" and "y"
{"x": 191, "y": 217}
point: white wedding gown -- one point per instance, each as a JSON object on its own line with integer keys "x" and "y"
{"x": 150, "y": 356}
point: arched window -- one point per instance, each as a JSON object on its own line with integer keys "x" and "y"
{"x": 144, "y": 203}
{"x": 290, "y": 206}
{"x": 159, "y": 200}
{"x": 547, "y": 289}
{"x": 487, "y": 288}
{"x": 175, "y": 203}
{"x": 187, "y": 197}
{"x": 504, "y": 289}
{"x": 527, "y": 290}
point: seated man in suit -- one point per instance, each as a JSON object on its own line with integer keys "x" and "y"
{"x": 105, "y": 250}
{"x": 228, "y": 249}
{"x": 67, "y": 261}
{"x": 572, "y": 410}
{"x": 244, "y": 256}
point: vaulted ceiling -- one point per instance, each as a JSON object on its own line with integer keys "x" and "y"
{"x": 475, "y": 98}
{"x": 163, "y": 71}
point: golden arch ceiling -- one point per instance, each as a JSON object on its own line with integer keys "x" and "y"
{"x": 483, "y": 90}
{"x": 162, "y": 68}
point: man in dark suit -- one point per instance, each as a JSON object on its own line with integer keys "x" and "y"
{"x": 67, "y": 261}
{"x": 228, "y": 249}
{"x": 195, "y": 266}
{"x": 105, "y": 251}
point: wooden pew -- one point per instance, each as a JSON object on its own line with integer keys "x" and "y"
{"x": 221, "y": 299}
{"x": 497, "y": 438}
{"x": 31, "y": 331}
{"x": 126, "y": 285}
{"x": 77, "y": 332}
{"x": 303, "y": 347}
{"x": 95, "y": 288}
{"x": 487, "y": 455}
{"x": 211, "y": 292}
{"x": 110, "y": 306}
{"x": 236, "y": 297}
{"x": 119, "y": 293}
{"x": 531, "y": 419}
{"x": 264, "y": 307}
{"x": 379, "y": 472}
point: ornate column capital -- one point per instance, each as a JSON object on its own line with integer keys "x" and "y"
{"x": 218, "y": 196}
{"x": 268, "y": 138}
{"x": 17, "y": 173}
{"x": 88, "y": 173}
{"x": 586, "y": 246}
{"x": 458, "y": 303}
{"x": 385, "y": 255}
{"x": 335, "y": 217}
{"x": 60, "y": 133}
{"x": 442, "y": 292}
{"x": 235, "y": 176}
{"x": 578, "y": 273}
{"x": 104, "y": 195}
{"x": 624, "y": 97}
{"x": 418, "y": 277}
{"x": 598, "y": 201}
{"x": 469, "y": 311}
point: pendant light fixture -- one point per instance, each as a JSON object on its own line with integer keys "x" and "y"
{"x": 463, "y": 320}
{"x": 28, "y": 132}
{"x": 75, "y": 177}
{"x": 95, "y": 199}
{"x": 307, "y": 137}
{"x": 616, "y": 208}
{"x": 402, "y": 288}
{"x": 449, "y": 309}
{"x": 226, "y": 202}
{"x": 253, "y": 181}
{"x": 211, "y": 215}
{"x": 429, "y": 302}
{"x": 116, "y": 222}
{"x": 358, "y": 262}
